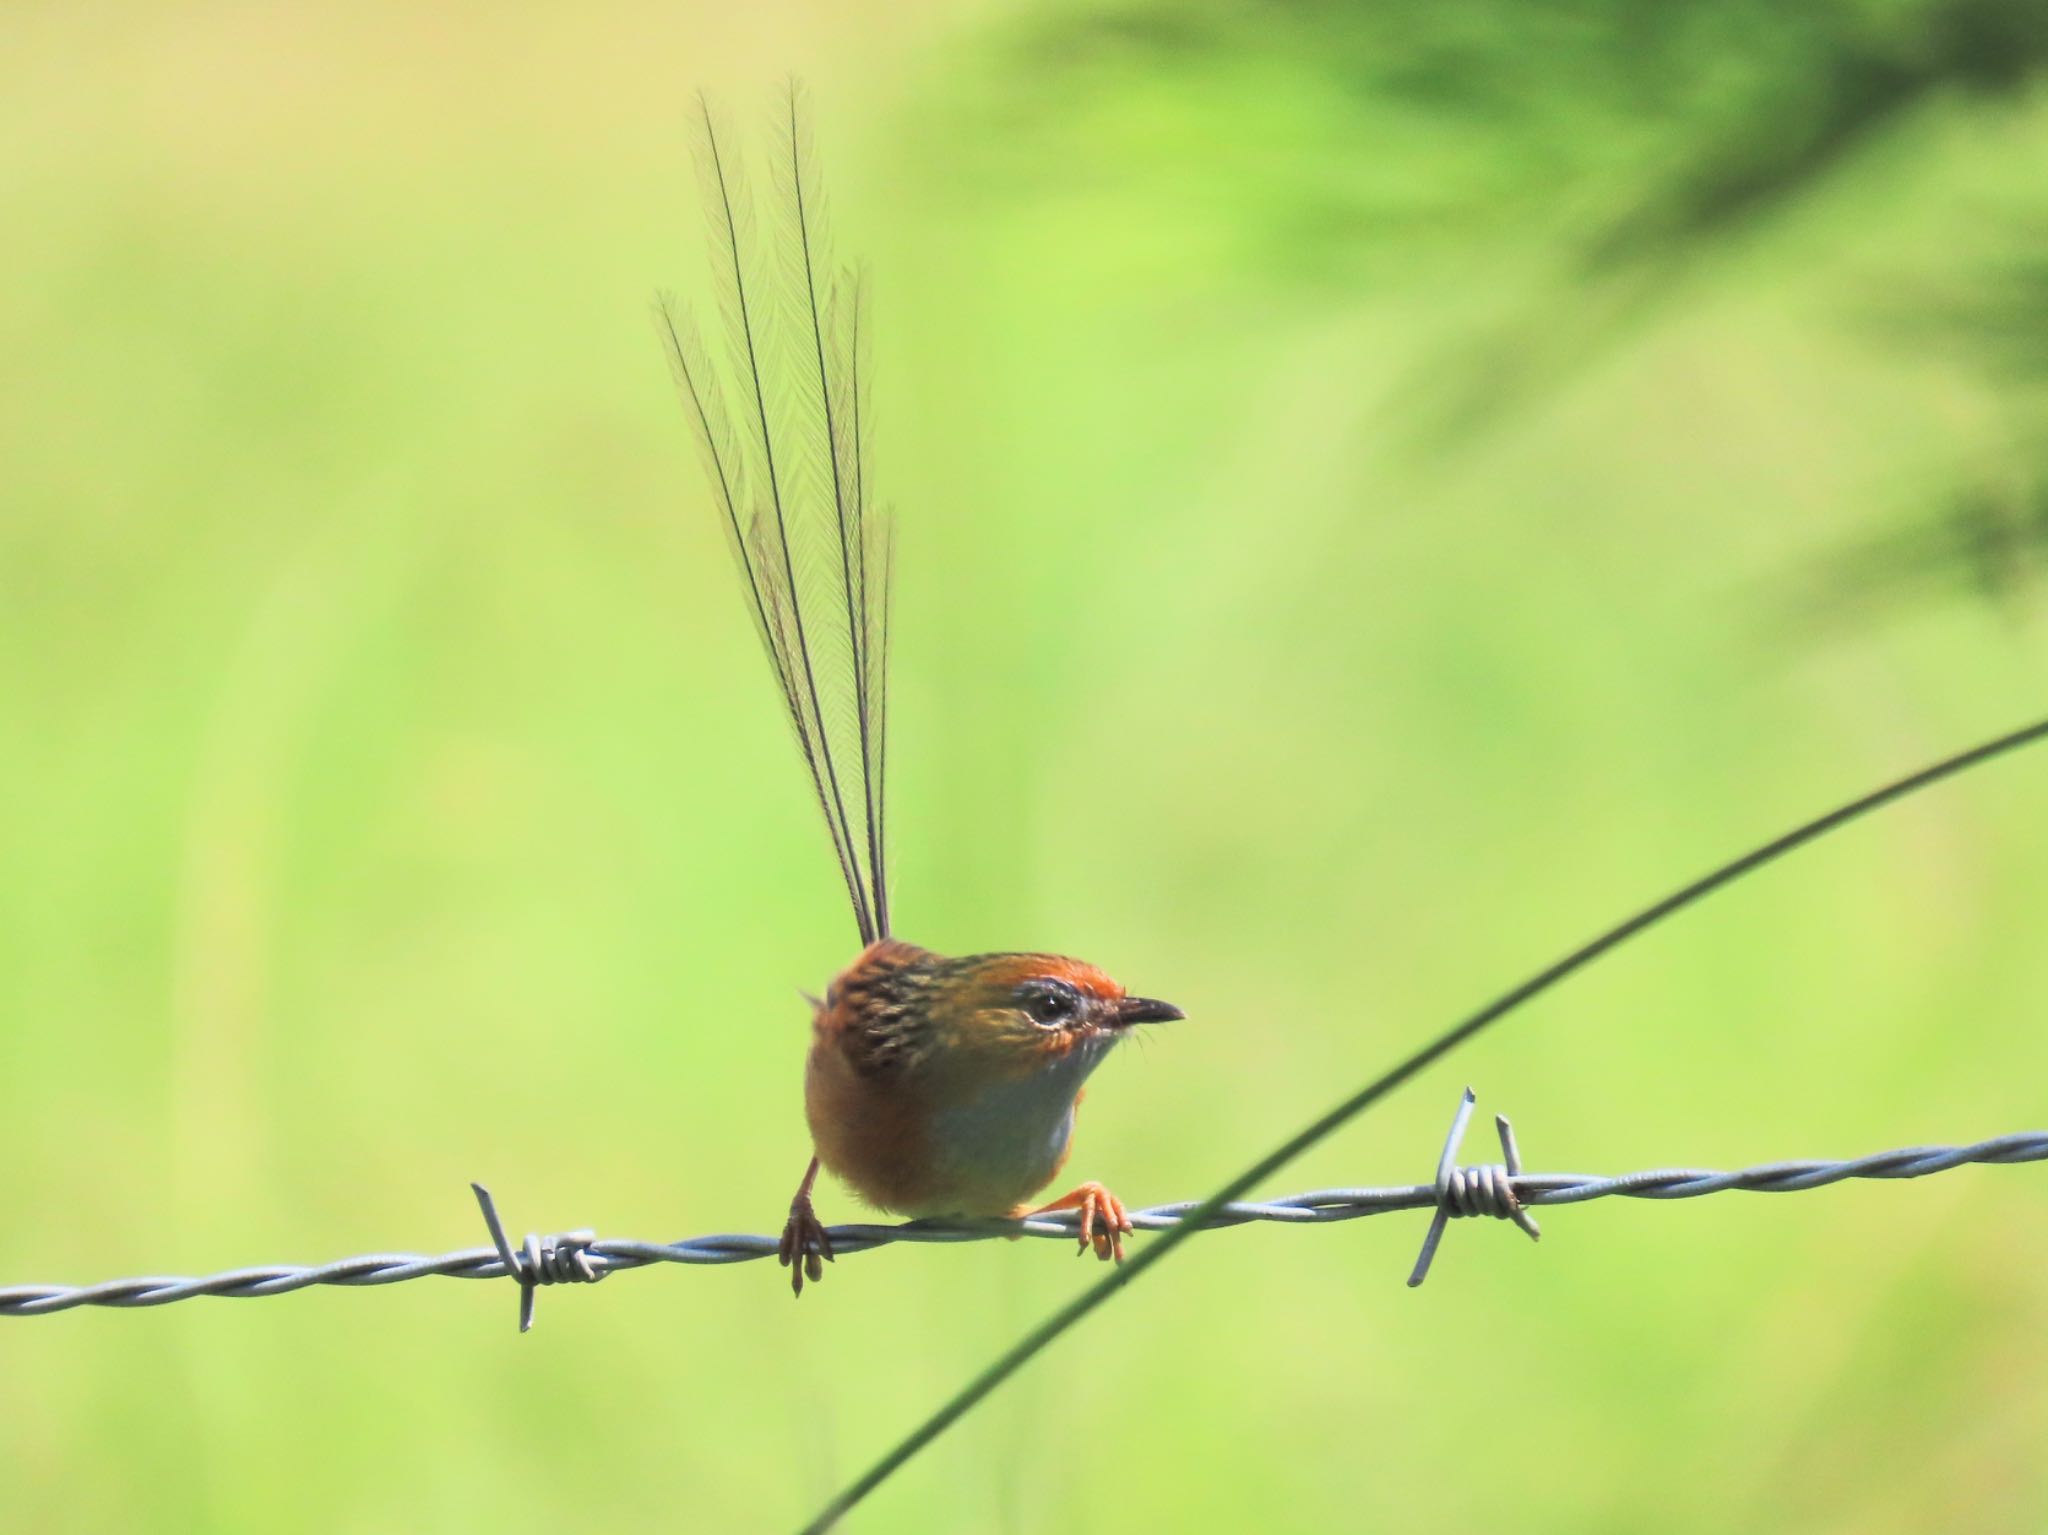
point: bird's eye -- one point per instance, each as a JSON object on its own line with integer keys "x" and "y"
{"x": 1049, "y": 1006}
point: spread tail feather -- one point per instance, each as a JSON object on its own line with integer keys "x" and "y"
{"x": 789, "y": 466}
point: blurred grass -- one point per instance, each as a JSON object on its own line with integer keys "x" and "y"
{"x": 390, "y": 794}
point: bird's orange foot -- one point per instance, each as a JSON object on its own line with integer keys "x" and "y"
{"x": 806, "y": 1247}
{"x": 1104, "y": 1221}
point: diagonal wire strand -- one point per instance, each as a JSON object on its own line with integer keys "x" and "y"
{"x": 1042, "y": 1336}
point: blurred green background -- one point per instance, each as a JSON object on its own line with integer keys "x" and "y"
{"x": 1382, "y": 493}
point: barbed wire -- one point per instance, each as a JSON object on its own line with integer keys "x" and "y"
{"x": 1503, "y": 1191}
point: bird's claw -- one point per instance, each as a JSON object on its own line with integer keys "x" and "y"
{"x": 1104, "y": 1221}
{"x": 806, "y": 1246}
{"x": 1107, "y": 1237}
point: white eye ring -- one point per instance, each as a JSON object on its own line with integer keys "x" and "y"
{"x": 1052, "y": 1006}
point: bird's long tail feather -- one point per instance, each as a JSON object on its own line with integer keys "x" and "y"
{"x": 783, "y": 425}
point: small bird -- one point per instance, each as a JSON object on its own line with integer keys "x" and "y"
{"x": 934, "y": 1085}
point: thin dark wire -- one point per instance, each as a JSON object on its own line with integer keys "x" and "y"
{"x": 1033, "y": 1342}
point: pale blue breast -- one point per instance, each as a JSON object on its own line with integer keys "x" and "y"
{"x": 1001, "y": 1147}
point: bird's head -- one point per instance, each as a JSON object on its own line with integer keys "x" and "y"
{"x": 1020, "y": 1012}
{"x": 984, "y": 1015}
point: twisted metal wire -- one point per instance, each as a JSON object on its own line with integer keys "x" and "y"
{"x": 578, "y": 1257}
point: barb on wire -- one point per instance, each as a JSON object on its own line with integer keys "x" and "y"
{"x": 1473, "y": 1190}
{"x": 581, "y": 1257}
{"x": 563, "y": 1259}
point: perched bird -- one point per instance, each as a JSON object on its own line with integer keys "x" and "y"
{"x": 934, "y": 1085}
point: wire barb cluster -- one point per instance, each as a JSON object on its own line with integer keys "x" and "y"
{"x": 1504, "y": 1192}
{"x": 1463, "y": 1191}
{"x": 563, "y": 1259}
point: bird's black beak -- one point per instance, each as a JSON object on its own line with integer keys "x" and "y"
{"x": 1130, "y": 1010}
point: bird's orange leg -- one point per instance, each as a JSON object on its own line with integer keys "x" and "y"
{"x": 805, "y": 1248}
{"x": 1095, "y": 1203}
